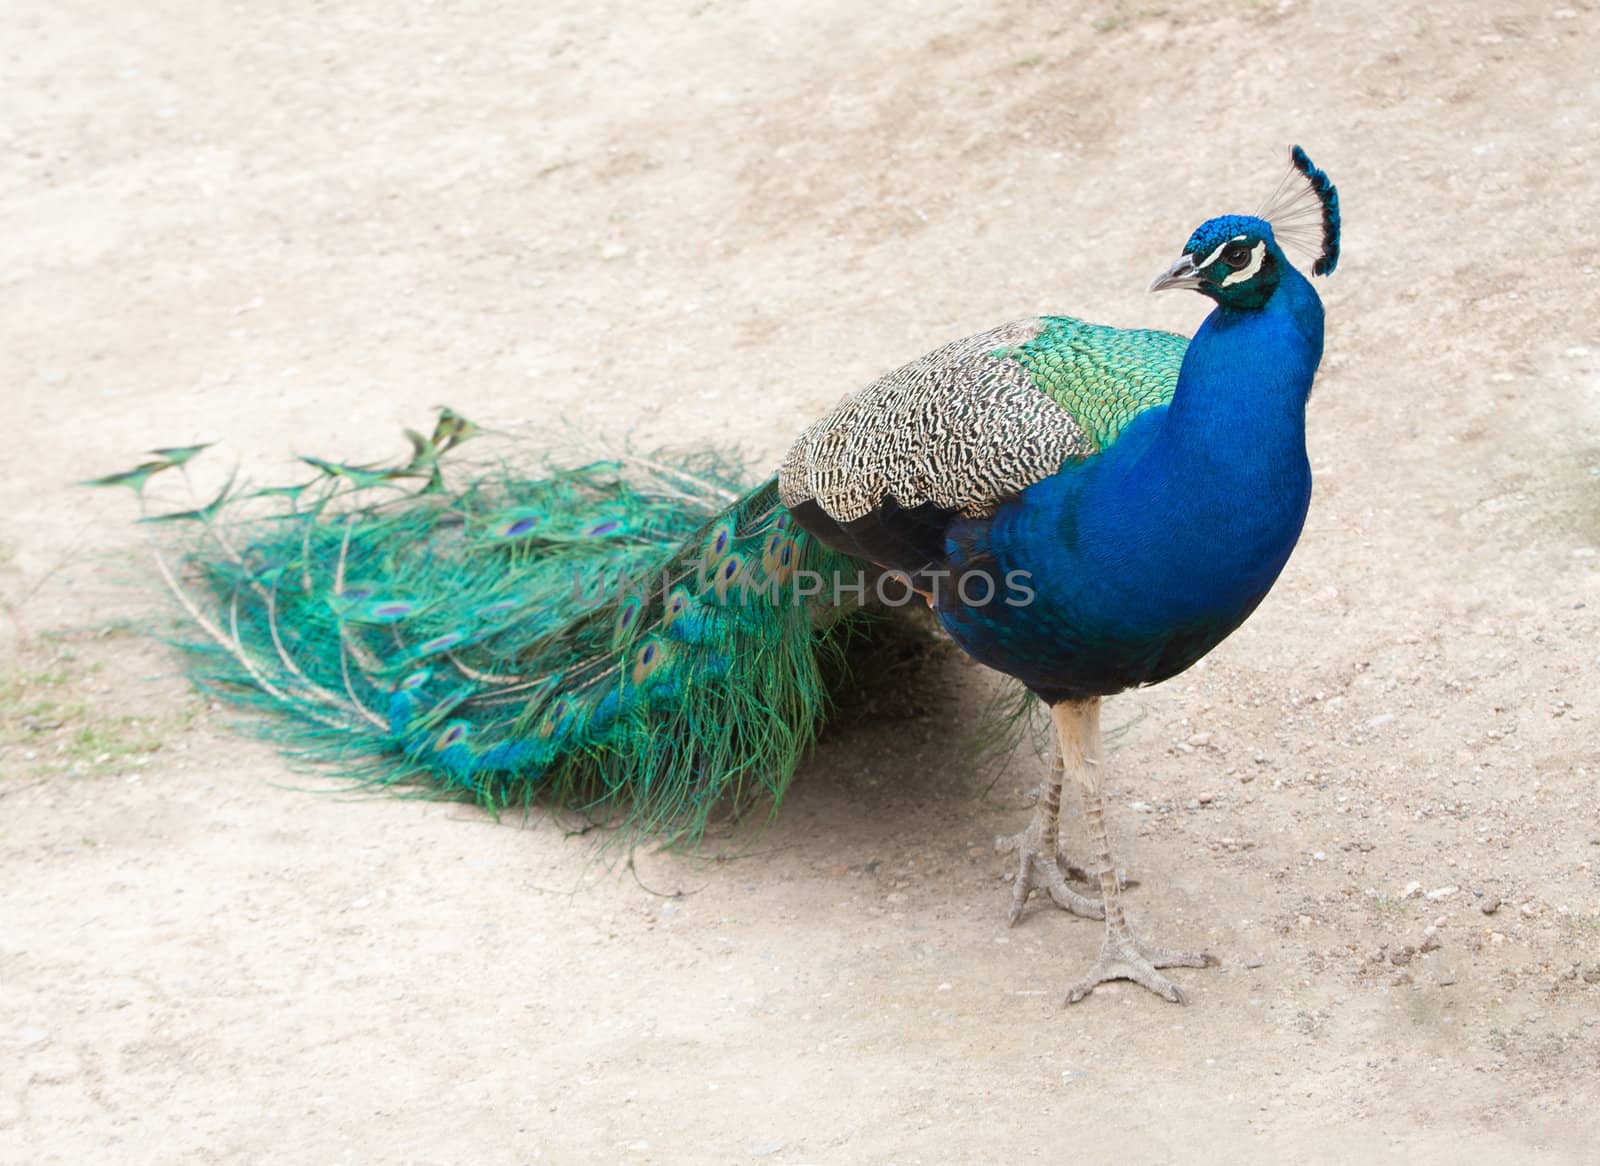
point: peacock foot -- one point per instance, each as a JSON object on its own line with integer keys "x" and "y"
{"x": 1122, "y": 957}
{"x": 1038, "y": 869}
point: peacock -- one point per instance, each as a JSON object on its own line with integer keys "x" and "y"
{"x": 1082, "y": 508}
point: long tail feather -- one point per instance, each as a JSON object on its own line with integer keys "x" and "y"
{"x": 637, "y": 635}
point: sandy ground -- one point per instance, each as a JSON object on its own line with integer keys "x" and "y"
{"x": 294, "y": 228}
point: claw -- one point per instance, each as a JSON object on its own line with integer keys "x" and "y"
{"x": 1125, "y": 958}
{"x": 1036, "y": 872}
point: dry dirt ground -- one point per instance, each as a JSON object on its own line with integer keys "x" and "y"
{"x": 295, "y": 228}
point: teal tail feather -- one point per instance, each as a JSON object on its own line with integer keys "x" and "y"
{"x": 638, "y": 638}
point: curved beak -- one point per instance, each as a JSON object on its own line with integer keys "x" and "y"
{"x": 1180, "y": 274}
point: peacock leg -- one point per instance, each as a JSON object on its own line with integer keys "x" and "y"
{"x": 1040, "y": 864}
{"x": 1123, "y": 956}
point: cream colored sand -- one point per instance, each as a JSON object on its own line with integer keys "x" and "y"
{"x": 296, "y": 227}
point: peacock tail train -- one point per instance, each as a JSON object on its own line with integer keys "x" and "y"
{"x": 634, "y": 635}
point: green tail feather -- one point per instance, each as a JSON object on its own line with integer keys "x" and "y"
{"x": 632, "y": 634}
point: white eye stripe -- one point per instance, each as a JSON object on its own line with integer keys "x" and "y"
{"x": 1244, "y": 273}
{"x": 1212, "y": 258}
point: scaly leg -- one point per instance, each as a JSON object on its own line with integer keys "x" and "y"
{"x": 1122, "y": 955}
{"x": 1040, "y": 864}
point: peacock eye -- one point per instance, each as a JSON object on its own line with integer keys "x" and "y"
{"x": 1236, "y": 255}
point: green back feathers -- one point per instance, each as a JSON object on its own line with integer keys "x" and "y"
{"x": 1103, "y": 376}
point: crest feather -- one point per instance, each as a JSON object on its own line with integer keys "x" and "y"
{"x": 1304, "y": 212}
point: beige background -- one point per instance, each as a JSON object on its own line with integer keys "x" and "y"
{"x": 294, "y": 228}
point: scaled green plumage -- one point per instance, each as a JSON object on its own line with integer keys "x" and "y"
{"x": 1103, "y": 376}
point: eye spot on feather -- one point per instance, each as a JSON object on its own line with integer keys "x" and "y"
{"x": 717, "y": 545}
{"x": 440, "y": 643}
{"x": 727, "y": 574}
{"x": 415, "y": 681}
{"x": 627, "y": 618}
{"x": 777, "y": 557}
{"x": 453, "y": 735}
{"x": 391, "y": 610}
{"x": 518, "y": 526}
{"x": 554, "y": 717}
{"x": 600, "y": 529}
{"x": 647, "y": 660}
{"x": 677, "y": 604}
{"x": 356, "y": 594}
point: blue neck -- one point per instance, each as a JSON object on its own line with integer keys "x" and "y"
{"x": 1223, "y": 485}
{"x": 1249, "y": 371}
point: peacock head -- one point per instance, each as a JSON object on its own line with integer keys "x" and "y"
{"x": 1233, "y": 259}
{"x": 1236, "y": 259}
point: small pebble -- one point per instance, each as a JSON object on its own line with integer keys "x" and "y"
{"x": 1442, "y": 893}
{"x": 1490, "y": 904}
{"x": 1411, "y": 890}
